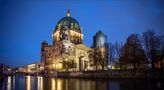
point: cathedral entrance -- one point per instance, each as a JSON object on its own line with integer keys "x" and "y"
{"x": 82, "y": 63}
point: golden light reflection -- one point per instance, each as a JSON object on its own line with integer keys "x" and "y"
{"x": 66, "y": 84}
{"x": 28, "y": 81}
{"x": 59, "y": 84}
{"x": 59, "y": 66}
{"x": 56, "y": 84}
{"x": 40, "y": 83}
{"x": 53, "y": 86}
{"x": 9, "y": 83}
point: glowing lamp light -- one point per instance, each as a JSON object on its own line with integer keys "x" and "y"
{"x": 59, "y": 65}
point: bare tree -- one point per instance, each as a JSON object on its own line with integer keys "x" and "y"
{"x": 151, "y": 43}
{"x": 118, "y": 52}
{"x": 111, "y": 53}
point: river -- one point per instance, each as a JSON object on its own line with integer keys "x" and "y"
{"x": 52, "y": 83}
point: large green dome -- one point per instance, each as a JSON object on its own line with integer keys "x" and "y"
{"x": 69, "y": 22}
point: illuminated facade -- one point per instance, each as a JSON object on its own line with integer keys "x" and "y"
{"x": 32, "y": 68}
{"x": 67, "y": 51}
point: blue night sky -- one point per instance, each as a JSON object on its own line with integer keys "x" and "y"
{"x": 25, "y": 24}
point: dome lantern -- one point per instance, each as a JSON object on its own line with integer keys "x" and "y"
{"x": 68, "y": 13}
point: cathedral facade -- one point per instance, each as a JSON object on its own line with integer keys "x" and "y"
{"x": 67, "y": 51}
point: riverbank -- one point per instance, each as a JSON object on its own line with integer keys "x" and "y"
{"x": 109, "y": 74}
{"x": 144, "y": 73}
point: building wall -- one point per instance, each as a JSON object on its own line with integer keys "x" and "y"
{"x": 55, "y": 55}
{"x": 82, "y": 55}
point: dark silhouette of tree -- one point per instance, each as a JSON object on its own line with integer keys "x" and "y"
{"x": 133, "y": 55}
{"x": 91, "y": 57}
{"x": 94, "y": 57}
{"x": 161, "y": 52}
{"x": 153, "y": 46}
{"x": 98, "y": 58}
{"x": 103, "y": 57}
{"x": 2, "y": 68}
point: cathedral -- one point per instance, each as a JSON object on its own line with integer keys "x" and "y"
{"x": 67, "y": 52}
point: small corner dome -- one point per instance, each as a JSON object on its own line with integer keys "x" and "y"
{"x": 69, "y": 22}
{"x": 100, "y": 33}
{"x": 44, "y": 42}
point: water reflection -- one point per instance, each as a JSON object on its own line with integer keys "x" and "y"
{"x": 74, "y": 84}
{"x": 9, "y": 83}
{"x": 13, "y": 87}
{"x": 40, "y": 83}
{"x": 51, "y": 83}
{"x": 59, "y": 84}
{"x": 28, "y": 82}
{"x": 31, "y": 83}
{"x": 114, "y": 85}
